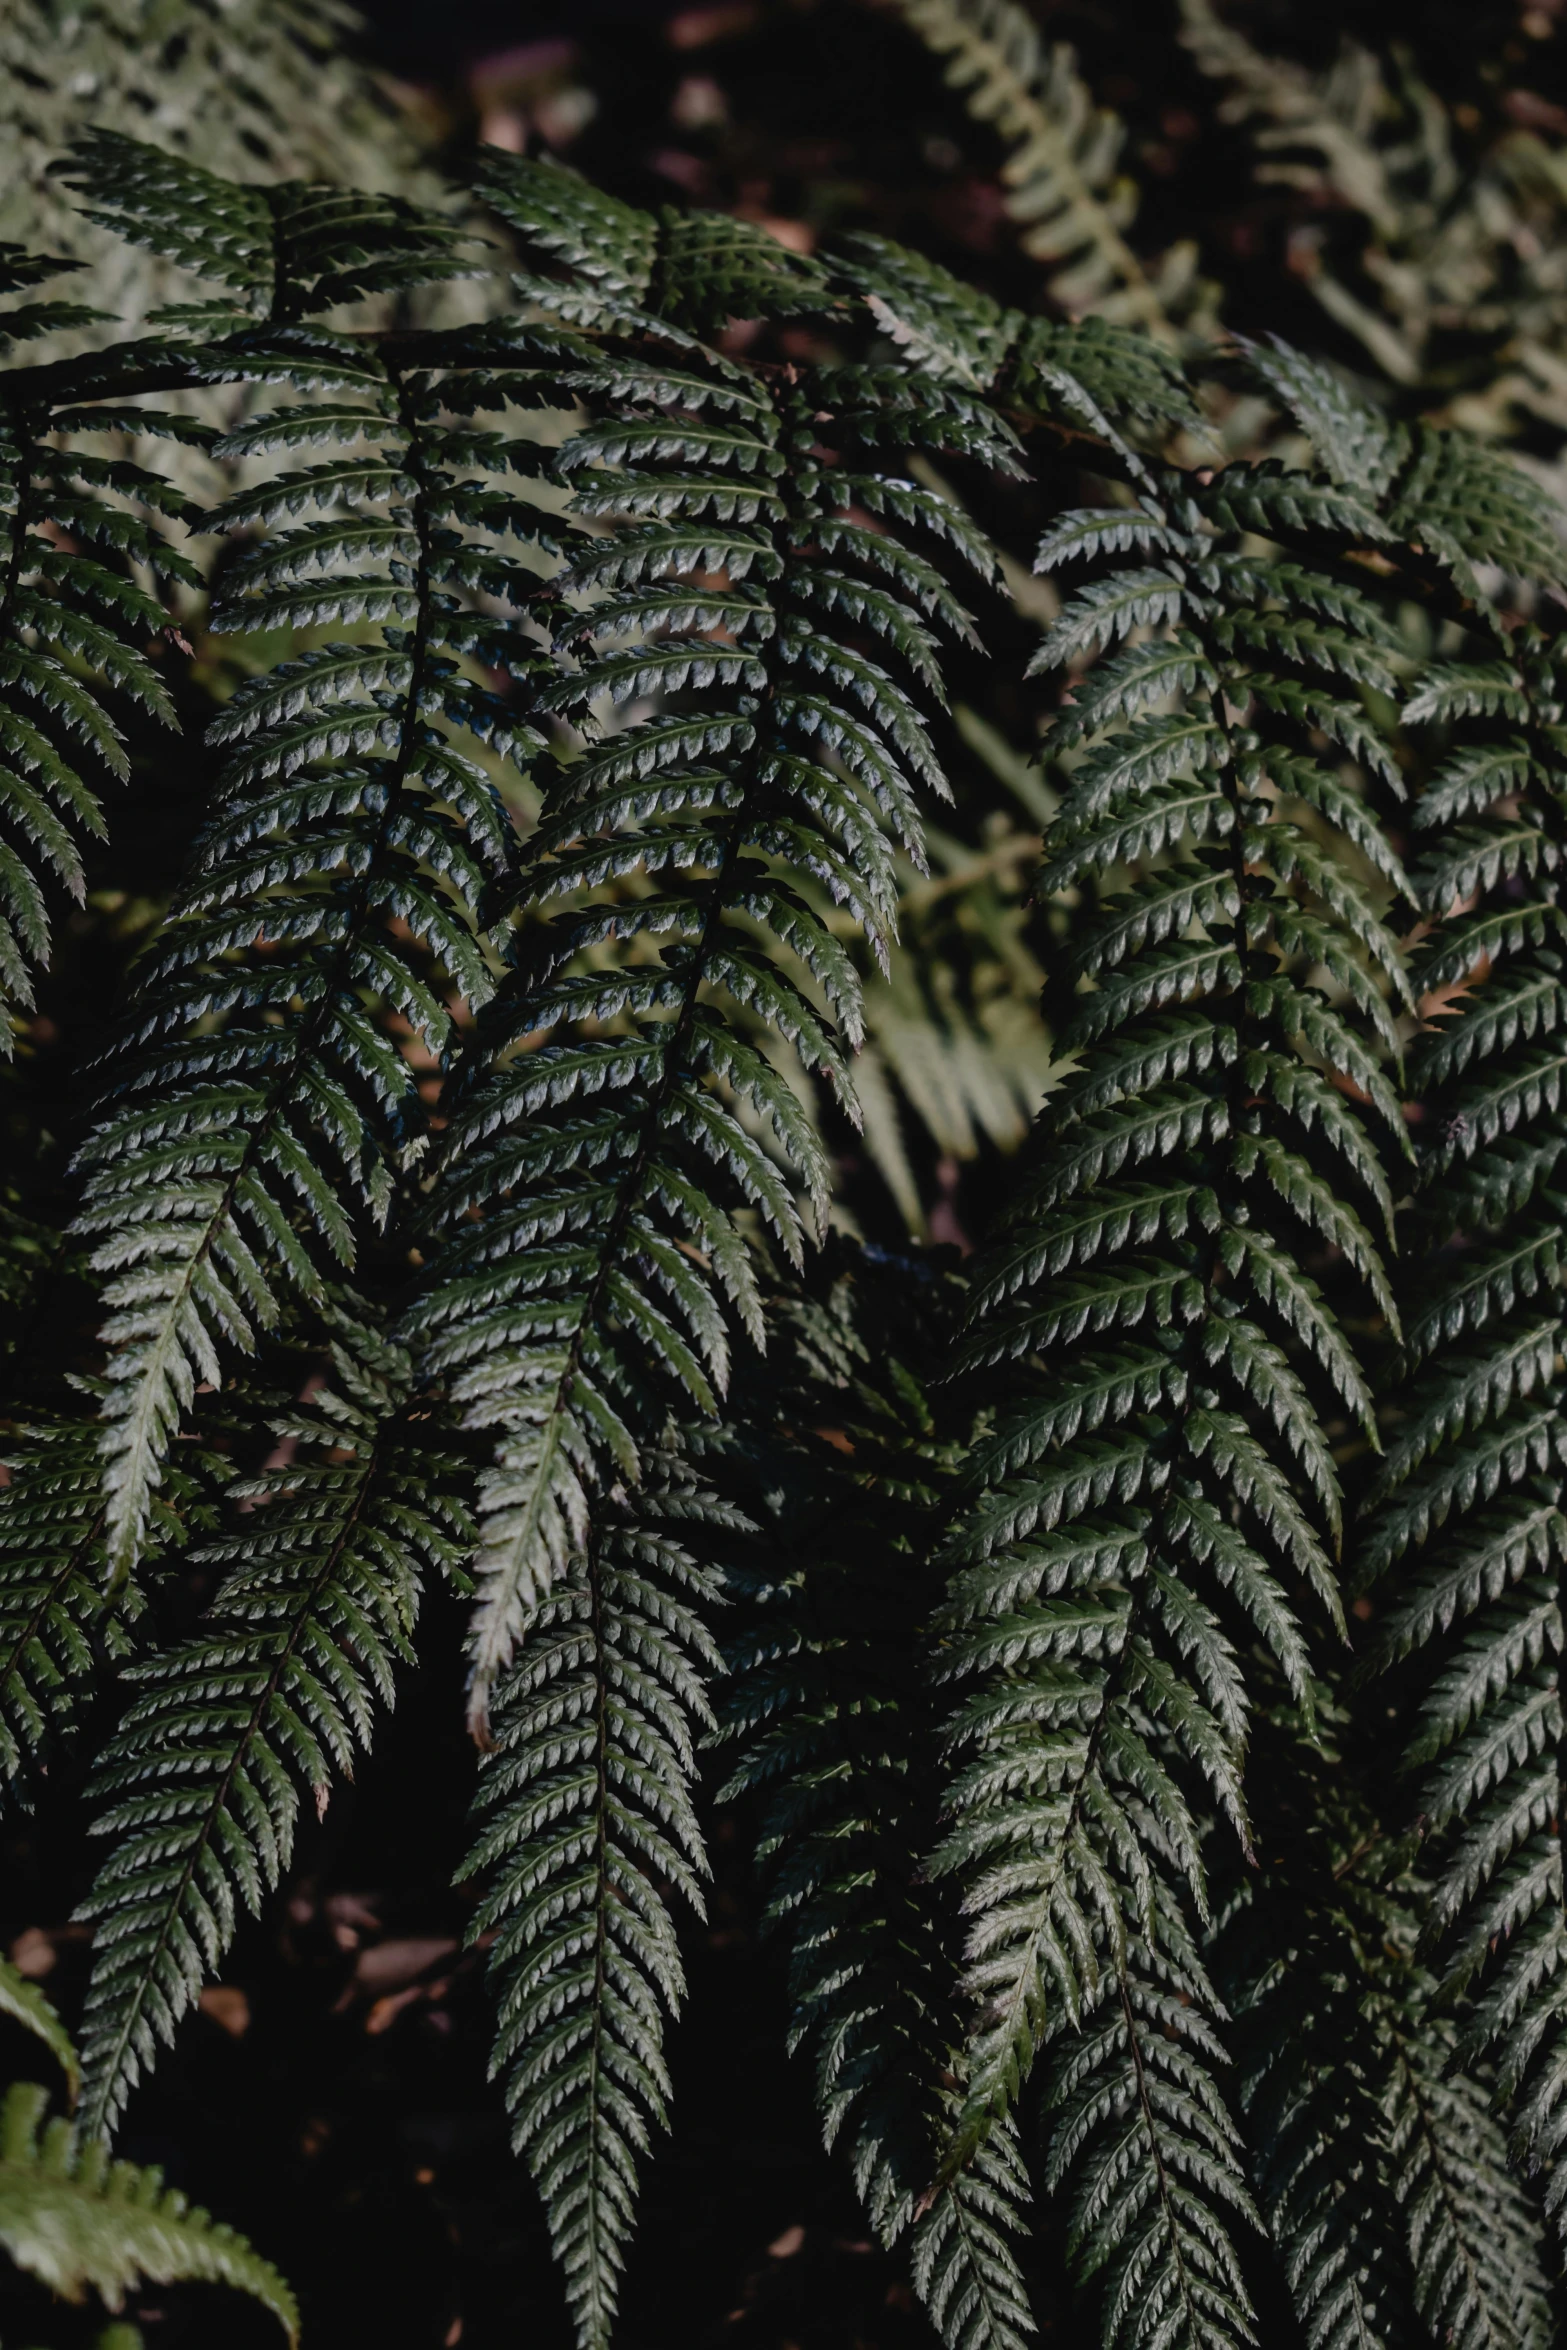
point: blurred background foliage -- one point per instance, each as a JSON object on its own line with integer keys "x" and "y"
{"x": 1383, "y": 182}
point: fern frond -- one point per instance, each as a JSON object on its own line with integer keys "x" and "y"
{"x": 26, "y": 2005}
{"x": 586, "y": 1828}
{"x": 1151, "y": 1280}
{"x": 1480, "y": 2282}
{"x": 61, "y": 1627}
{"x": 826, "y": 1698}
{"x": 631, "y": 1111}
{"x": 1060, "y": 173}
{"x": 74, "y": 625}
{"x": 78, "y": 2222}
{"x": 1140, "y": 2136}
{"x": 1383, "y": 2179}
{"x": 259, "y": 1105}
{"x": 1465, "y": 504}
{"x": 1461, "y": 1541}
{"x": 962, "y": 2252}
{"x": 276, "y": 1690}
{"x": 286, "y": 250}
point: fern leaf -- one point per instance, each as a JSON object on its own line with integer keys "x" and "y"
{"x": 72, "y": 632}
{"x": 26, "y": 2005}
{"x": 1106, "y": 1694}
{"x": 1479, "y": 2281}
{"x": 825, "y": 1697}
{"x": 585, "y": 1815}
{"x": 60, "y": 1630}
{"x": 1383, "y": 2179}
{"x": 1141, "y": 2137}
{"x": 795, "y": 752}
{"x": 200, "y": 1785}
{"x": 1060, "y": 170}
{"x": 76, "y": 2221}
{"x": 258, "y": 1113}
{"x": 1460, "y": 1532}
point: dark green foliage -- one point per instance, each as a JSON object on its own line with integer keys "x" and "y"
{"x": 73, "y": 625}
{"x": 272, "y": 1695}
{"x": 563, "y": 802}
{"x": 251, "y": 1082}
{"x": 586, "y": 1824}
{"x": 827, "y": 1697}
{"x": 59, "y": 1624}
{"x": 611, "y": 1156}
{"x": 1140, "y": 2134}
{"x": 1164, "y": 1491}
{"x": 1464, "y": 1539}
{"x": 1383, "y": 2177}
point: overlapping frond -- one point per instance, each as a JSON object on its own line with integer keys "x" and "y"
{"x": 1460, "y": 502}
{"x": 1383, "y": 2179}
{"x": 327, "y": 935}
{"x": 827, "y": 1698}
{"x": 587, "y": 1829}
{"x": 1465, "y": 1540}
{"x": 83, "y": 552}
{"x": 1162, "y": 1316}
{"x": 272, "y": 1695}
{"x": 1142, "y": 2142}
{"x": 62, "y": 1627}
{"x": 1474, "y": 2237}
{"x": 1294, "y": 1944}
{"x": 994, "y": 1695}
{"x": 762, "y": 604}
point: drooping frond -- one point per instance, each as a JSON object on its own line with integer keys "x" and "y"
{"x": 74, "y": 625}
{"x": 272, "y": 1695}
{"x": 80, "y": 2223}
{"x": 827, "y": 1698}
{"x": 1316, "y": 2058}
{"x": 1473, "y": 2235}
{"x": 1061, "y": 173}
{"x": 586, "y": 1829}
{"x": 1465, "y": 1540}
{"x": 61, "y": 1627}
{"x": 767, "y": 586}
{"x": 1382, "y": 2178}
{"x": 259, "y": 1103}
{"x": 1141, "y": 2140}
{"x": 963, "y": 2250}
{"x": 1160, "y": 1320}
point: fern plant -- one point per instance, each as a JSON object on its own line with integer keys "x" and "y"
{"x": 611, "y": 1154}
{"x": 200, "y": 1786}
{"x": 1383, "y": 2176}
{"x": 470, "y": 1118}
{"x": 585, "y": 1816}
